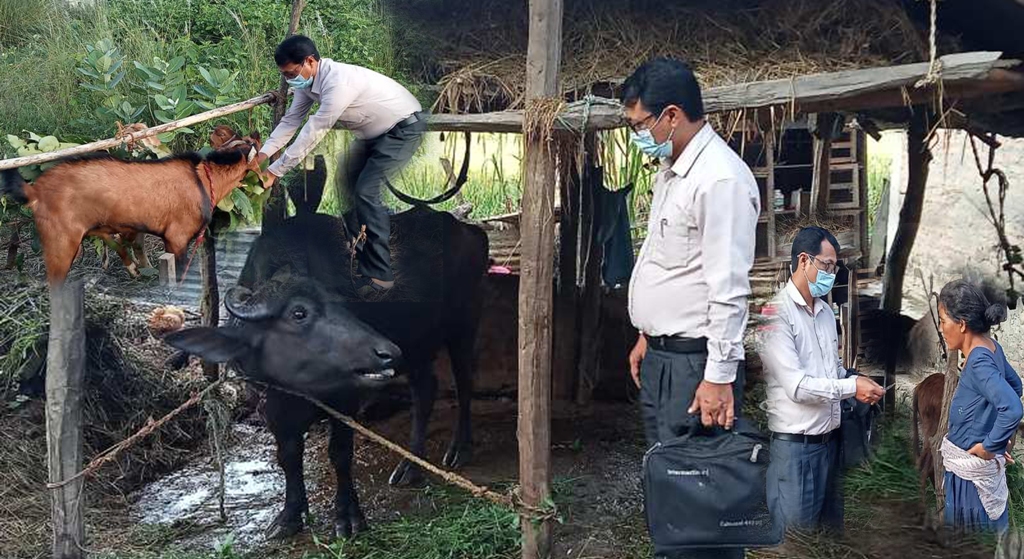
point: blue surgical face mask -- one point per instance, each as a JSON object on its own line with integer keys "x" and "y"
{"x": 644, "y": 141}
{"x": 822, "y": 283}
{"x": 299, "y": 82}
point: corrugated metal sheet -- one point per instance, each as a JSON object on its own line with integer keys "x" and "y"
{"x": 232, "y": 250}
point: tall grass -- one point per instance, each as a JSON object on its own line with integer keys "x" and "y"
{"x": 879, "y": 172}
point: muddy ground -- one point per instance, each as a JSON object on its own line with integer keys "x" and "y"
{"x": 596, "y": 457}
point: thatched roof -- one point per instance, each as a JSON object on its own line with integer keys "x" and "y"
{"x": 473, "y": 51}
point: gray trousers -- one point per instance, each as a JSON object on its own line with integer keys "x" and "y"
{"x": 805, "y": 484}
{"x": 369, "y": 163}
{"x": 668, "y": 382}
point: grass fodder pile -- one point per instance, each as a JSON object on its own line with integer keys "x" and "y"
{"x": 124, "y": 389}
{"x": 476, "y": 51}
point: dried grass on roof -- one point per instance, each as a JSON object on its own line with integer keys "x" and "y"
{"x": 476, "y": 50}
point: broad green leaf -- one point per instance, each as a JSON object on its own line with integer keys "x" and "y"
{"x": 15, "y": 141}
{"x": 164, "y": 102}
{"x": 206, "y": 76}
{"x": 30, "y": 173}
{"x": 104, "y": 63}
{"x": 48, "y": 143}
{"x": 241, "y": 201}
{"x": 204, "y": 92}
{"x": 46, "y": 166}
{"x": 27, "y": 150}
{"x": 155, "y": 85}
{"x": 227, "y": 204}
{"x": 65, "y": 145}
{"x": 176, "y": 63}
{"x": 33, "y": 136}
{"x": 117, "y": 79}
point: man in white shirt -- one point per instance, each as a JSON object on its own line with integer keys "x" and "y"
{"x": 689, "y": 288}
{"x": 806, "y": 383}
{"x": 388, "y": 124}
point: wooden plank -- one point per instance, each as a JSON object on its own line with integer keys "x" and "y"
{"x": 135, "y": 136}
{"x": 543, "y": 58}
{"x": 65, "y": 372}
{"x": 965, "y": 76}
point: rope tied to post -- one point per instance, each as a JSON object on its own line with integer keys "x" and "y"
{"x": 934, "y": 64}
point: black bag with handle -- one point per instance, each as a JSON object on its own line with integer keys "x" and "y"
{"x": 707, "y": 489}
{"x": 857, "y": 426}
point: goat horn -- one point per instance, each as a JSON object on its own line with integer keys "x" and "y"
{"x": 240, "y": 302}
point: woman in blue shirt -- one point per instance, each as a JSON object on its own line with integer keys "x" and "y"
{"x": 985, "y": 410}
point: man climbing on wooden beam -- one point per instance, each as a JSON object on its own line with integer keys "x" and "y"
{"x": 388, "y": 124}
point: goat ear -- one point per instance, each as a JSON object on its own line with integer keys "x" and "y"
{"x": 212, "y": 344}
{"x": 255, "y": 135}
{"x": 252, "y": 154}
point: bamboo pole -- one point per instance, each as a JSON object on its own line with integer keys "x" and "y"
{"x": 136, "y": 136}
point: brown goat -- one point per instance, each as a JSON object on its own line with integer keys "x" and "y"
{"x": 927, "y": 404}
{"x": 98, "y": 194}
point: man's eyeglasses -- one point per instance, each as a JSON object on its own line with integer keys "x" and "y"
{"x": 830, "y": 267}
{"x": 639, "y": 127}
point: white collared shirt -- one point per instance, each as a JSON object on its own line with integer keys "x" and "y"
{"x": 361, "y": 100}
{"x": 691, "y": 277}
{"x": 800, "y": 353}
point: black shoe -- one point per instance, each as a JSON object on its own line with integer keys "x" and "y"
{"x": 369, "y": 290}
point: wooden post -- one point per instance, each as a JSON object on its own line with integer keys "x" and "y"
{"x": 277, "y": 205}
{"x": 918, "y": 157}
{"x": 949, "y": 388}
{"x": 210, "y": 305}
{"x": 65, "y": 372}
{"x": 535, "y": 284}
{"x": 821, "y": 179}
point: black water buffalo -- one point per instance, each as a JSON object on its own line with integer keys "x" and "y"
{"x": 297, "y": 323}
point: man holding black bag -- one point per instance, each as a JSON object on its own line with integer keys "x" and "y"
{"x": 689, "y": 288}
{"x": 806, "y": 387}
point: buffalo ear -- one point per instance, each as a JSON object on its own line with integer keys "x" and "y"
{"x": 212, "y": 344}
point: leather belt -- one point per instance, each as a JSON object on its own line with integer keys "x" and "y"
{"x": 411, "y": 119}
{"x": 807, "y": 439}
{"x": 677, "y": 344}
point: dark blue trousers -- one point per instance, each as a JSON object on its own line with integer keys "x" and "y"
{"x": 805, "y": 484}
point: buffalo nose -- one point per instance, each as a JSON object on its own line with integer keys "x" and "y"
{"x": 385, "y": 355}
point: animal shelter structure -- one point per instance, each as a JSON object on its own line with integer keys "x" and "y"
{"x": 794, "y": 87}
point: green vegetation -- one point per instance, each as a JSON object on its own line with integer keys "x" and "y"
{"x": 879, "y": 170}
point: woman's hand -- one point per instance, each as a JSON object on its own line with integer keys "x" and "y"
{"x": 979, "y": 451}
{"x": 1009, "y": 459}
